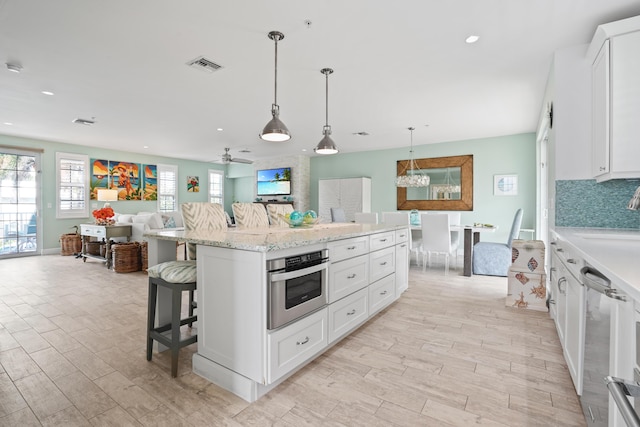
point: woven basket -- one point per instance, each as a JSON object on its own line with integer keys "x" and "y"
{"x": 144, "y": 256}
{"x": 70, "y": 244}
{"x": 93, "y": 248}
{"x": 126, "y": 257}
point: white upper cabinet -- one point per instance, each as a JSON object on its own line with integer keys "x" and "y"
{"x": 616, "y": 100}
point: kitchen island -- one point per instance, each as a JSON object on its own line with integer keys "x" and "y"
{"x": 238, "y": 350}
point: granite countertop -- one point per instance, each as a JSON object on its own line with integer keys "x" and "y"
{"x": 266, "y": 239}
{"x": 614, "y": 252}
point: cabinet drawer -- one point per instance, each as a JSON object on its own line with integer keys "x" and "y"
{"x": 402, "y": 235}
{"x": 348, "y": 313}
{"x": 382, "y": 263}
{"x": 382, "y": 240}
{"x": 292, "y": 345}
{"x": 346, "y": 277}
{"x": 92, "y": 230}
{"x": 381, "y": 293}
{"x": 348, "y": 248}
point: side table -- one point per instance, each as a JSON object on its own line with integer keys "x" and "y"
{"x": 105, "y": 232}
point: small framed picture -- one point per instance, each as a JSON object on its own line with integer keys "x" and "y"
{"x": 193, "y": 184}
{"x": 505, "y": 185}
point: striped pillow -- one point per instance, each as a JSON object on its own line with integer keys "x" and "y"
{"x": 174, "y": 271}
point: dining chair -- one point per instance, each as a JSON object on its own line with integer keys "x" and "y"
{"x": 366, "y": 217}
{"x": 250, "y": 215}
{"x": 436, "y": 239}
{"x": 338, "y": 215}
{"x": 494, "y": 259}
{"x": 275, "y": 210}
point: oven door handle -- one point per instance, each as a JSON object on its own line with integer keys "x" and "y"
{"x": 619, "y": 389}
{"x": 277, "y": 277}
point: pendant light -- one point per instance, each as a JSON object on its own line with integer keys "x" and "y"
{"x": 326, "y": 144}
{"x": 413, "y": 177}
{"x": 275, "y": 130}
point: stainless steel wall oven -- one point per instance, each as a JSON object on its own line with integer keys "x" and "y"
{"x": 297, "y": 286}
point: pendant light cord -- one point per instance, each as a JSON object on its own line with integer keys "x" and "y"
{"x": 326, "y": 105}
{"x": 275, "y": 91}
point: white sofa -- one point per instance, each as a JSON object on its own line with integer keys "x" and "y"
{"x": 143, "y": 222}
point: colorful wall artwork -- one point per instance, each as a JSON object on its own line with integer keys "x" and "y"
{"x": 122, "y": 176}
{"x": 150, "y": 182}
{"x": 193, "y": 184}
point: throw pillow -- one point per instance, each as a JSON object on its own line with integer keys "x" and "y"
{"x": 155, "y": 221}
{"x": 169, "y": 221}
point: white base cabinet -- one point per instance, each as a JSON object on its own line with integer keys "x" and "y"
{"x": 235, "y": 348}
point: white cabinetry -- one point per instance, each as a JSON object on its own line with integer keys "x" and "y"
{"x": 351, "y": 194}
{"x": 616, "y": 100}
{"x": 402, "y": 261}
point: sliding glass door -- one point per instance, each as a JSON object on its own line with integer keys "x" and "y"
{"x": 19, "y": 203}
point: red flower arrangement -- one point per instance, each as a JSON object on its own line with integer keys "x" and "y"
{"x": 104, "y": 215}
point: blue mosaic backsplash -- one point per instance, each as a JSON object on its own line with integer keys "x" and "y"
{"x": 586, "y": 203}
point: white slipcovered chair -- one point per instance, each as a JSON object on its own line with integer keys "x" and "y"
{"x": 366, "y": 217}
{"x": 436, "y": 239}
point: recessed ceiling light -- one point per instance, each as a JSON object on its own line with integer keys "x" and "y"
{"x": 15, "y": 68}
{"x": 8, "y": 123}
{"x": 46, "y": 92}
{"x": 145, "y": 146}
{"x": 220, "y": 129}
{"x": 472, "y": 39}
{"x": 304, "y": 149}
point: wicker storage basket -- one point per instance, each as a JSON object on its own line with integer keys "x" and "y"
{"x": 126, "y": 257}
{"x": 144, "y": 256}
{"x": 93, "y": 248}
{"x": 70, "y": 244}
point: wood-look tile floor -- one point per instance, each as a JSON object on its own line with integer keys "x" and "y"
{"x": 72, "y": 352}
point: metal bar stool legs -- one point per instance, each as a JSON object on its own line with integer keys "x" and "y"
{"x": 159, "y": 333}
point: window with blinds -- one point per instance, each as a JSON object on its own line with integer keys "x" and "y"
{"x": 216, "y": 186}
{"x": 167, "y": 188}
{"x": 72, "y": 176}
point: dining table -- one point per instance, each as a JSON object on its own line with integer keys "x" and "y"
{"x": 471, "y": 237}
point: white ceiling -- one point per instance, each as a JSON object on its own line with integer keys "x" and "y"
{"x": 396, "y": 64}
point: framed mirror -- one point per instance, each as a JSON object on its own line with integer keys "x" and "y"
{"x": 450, "y": 184}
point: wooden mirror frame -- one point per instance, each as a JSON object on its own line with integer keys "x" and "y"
{"x": 466, "y": 181}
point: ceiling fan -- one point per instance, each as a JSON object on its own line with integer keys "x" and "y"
{"x": 226, "y": 158}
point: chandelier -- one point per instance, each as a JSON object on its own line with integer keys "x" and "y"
{"x": 412, "y": 176}
{"x": 450, "y": 187}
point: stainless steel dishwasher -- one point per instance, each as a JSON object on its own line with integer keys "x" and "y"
{"x": 595, "y": 395}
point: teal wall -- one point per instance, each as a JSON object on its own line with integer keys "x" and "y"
{"x": 514, "y": 154}
{"x": 53, "y": 228}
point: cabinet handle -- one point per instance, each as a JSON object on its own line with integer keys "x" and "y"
{"x": 383, "y": 293}
{"x": 553, "y": 269}
{"x": 383, "y": 240}
{"x": 571, "y": 261}
{"x": 402, "y": 235}
{"x": 560, "y": 282}
{"x": 351, "y": 276}
{"x": 601, "y": 168}
{"x": 552, "y": 301}
{"x": 559, "y": 250}
{"x": 306, "y": 340}
{"x": 553, "y": 243}
{"x": 350, "y": 248}
{"x": 403, "y": 246}
{"x": 383, "y": 263}
{"x": 352, "y": 312}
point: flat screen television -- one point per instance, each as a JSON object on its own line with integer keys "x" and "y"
{"x": 274, "y": 182}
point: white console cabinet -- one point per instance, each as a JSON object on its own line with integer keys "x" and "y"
{"x": 351, "y": 194}
{"x": 616, "y": 100}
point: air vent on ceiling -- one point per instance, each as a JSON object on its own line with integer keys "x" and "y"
{"x": 361, "y": 133}
{"x": 85, "y": 122}
{"x": 204, "y": 64}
